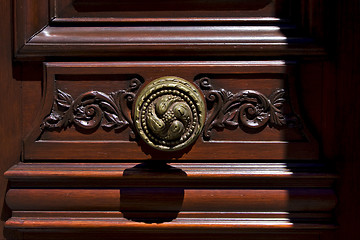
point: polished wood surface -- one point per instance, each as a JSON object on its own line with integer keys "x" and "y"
{"x": 266, "y": 28}
{"x": 284, "y": 192}
{"x": 170, "y": 11}
{"x": 271, "y": 140}
{"x": 167, "y": 41}
{"x": 184, "y": 197}
{"x": 301, "y": 200}
{"x": 10, "y": 127}
{"x": 245, "y": 187}
{"x": 195, "y": 175}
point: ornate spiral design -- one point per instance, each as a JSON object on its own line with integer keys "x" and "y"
{"x": 169, "y": 113}
{"x": 92, "y": 109}
{"x": 247, "y": 108}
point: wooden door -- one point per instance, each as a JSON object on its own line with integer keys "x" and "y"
{"x": 267, "y": 111}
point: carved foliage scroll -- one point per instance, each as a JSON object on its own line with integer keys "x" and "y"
{"x": 246, "y": 108}
{"x": 92, "y": 109}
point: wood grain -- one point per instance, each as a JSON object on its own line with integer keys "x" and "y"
{"x": 59, "y": 235}
{"x": 167, "y": 41}
{"x": 179, "y": 225}
{"x": 30, "y": 17}
{"x": 163, "y": 11}
{"x": 53, "y": 39}
{"x": 202, "y": 225}
{"x": 308, "y": 31}
{"x": 288, "y": 142}
{"x": 10, "y": 119}
{"x": 221, "y": 175}
{"x": 237, "y": 200}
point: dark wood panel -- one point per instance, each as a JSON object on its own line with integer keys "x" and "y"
{"x": 333, "y": 117}
{"x": 108, "y": 150}
{"x": 161, "y": 5}
{"x": 346, "y": 125}
{"x": 10, "y": 126}
{"x": 30, "y": 17}
{"x": 274, "y": 140}
{"x": 54, "y": 29}
{"x": 74, "y": 11}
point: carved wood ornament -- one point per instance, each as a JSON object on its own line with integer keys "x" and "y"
{"x": 249, "y": 108}
{"x": 92, "y": 109}
{"x": 169, "y": 113}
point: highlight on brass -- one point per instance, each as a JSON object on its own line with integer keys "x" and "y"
{"x": 169, "y": 113}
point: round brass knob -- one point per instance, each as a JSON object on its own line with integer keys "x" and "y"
{"x": 169, "y": 113}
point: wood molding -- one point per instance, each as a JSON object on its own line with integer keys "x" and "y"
{"x": 162, "y": 200}
{"x": 41, "y": 33}
{"x": 184, "y": 197}
{"x": 259, "y": 175}
{"x": 198, "y": 225}
{"x": 290, "y": 142}
{"x": 136, "y": 41}
{"x": 186, "y": 226}
{"x": 260, "y": 188}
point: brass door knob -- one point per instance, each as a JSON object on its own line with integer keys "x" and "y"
{"x": 169, "y": 113}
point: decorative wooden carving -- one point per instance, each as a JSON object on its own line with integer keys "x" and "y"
{"x": 169, "y": 113}
{"x": 248, "y": 108}
{"x": 92, "y": 109}
{"x": 233, "y": 142}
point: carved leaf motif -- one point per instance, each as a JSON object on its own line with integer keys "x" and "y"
{"x": 107, "y": 107}
{"x": 248, "y": 108}
{"x": 112, "y": 120}
{"x": 230, "y": 118}
{"x": 226, "y": 95}
{"x": 91, "y": 109}
{"x": 63, "y": 99}
{"x": 277, "y": 98}
{"x": 277, "y": 102}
